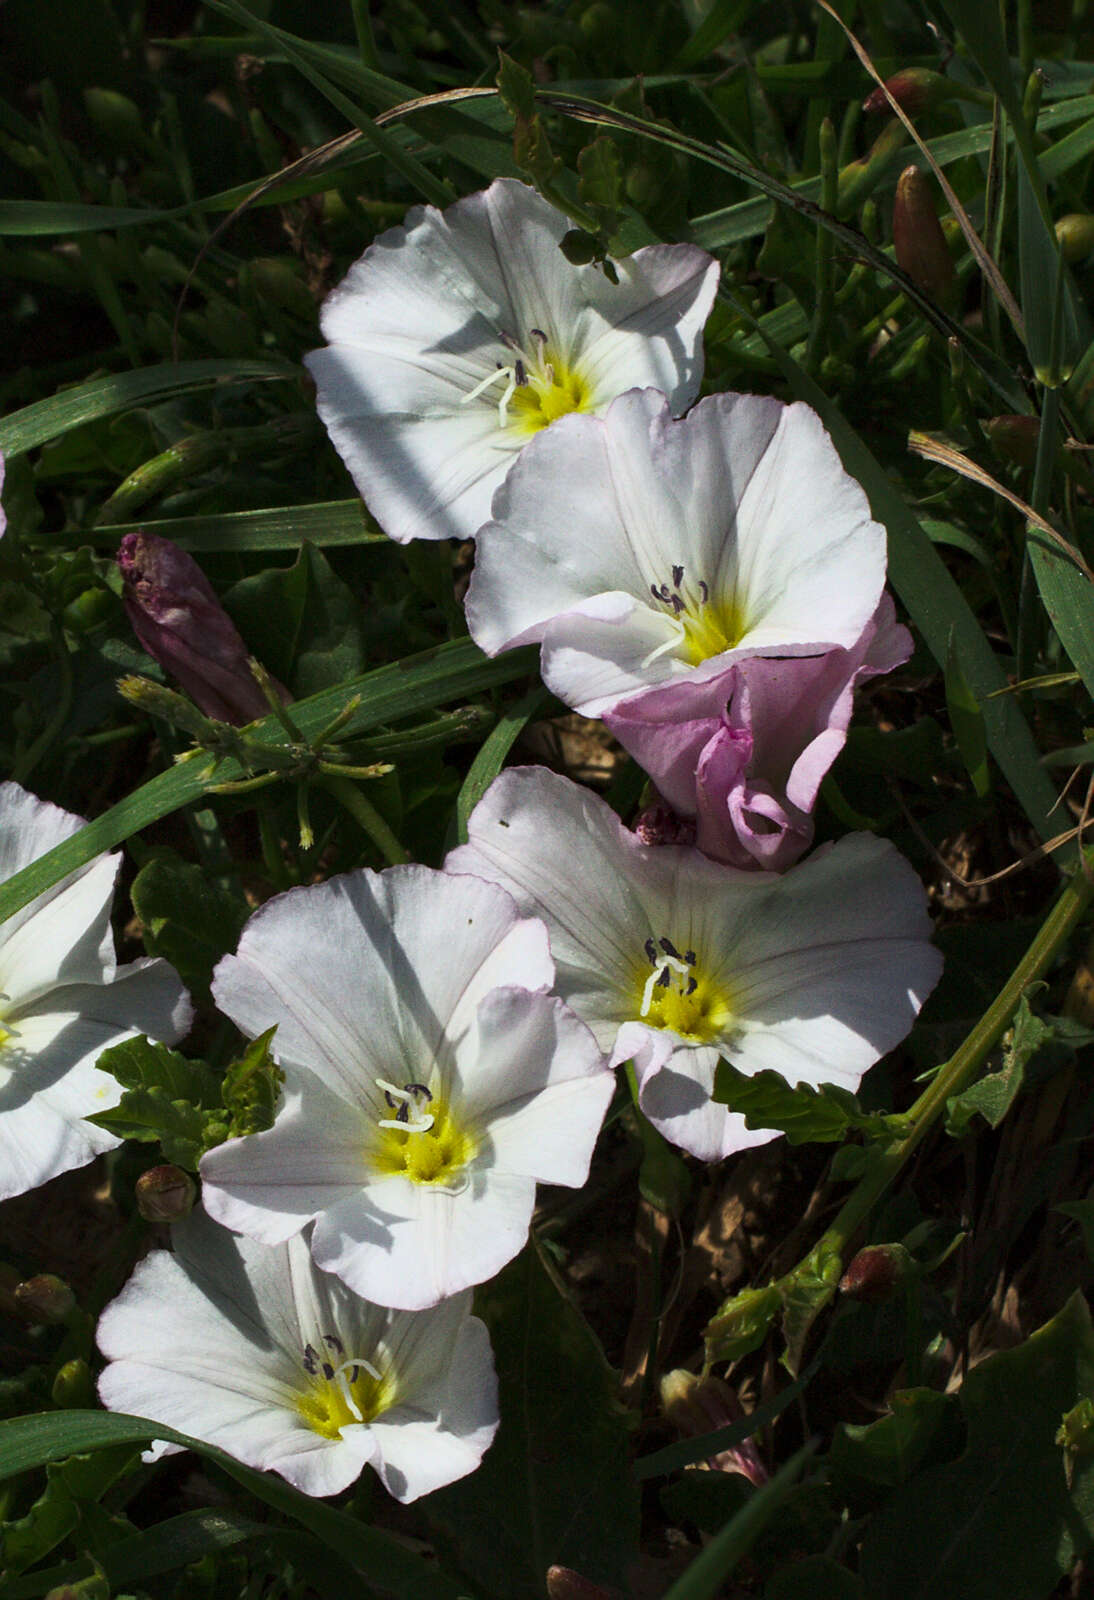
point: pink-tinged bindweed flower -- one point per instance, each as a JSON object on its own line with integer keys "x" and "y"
{"x": 641, "y": 550}
{"x": 743, "y": 755}
{"x": 430, "y": 1080}
{"x": 63, "y": 1001}
{"x": 252, "y": 1348}
{"x": 457, "y": 338}
{"x": 678, "y": 962}
{"x": 178, "y": 619}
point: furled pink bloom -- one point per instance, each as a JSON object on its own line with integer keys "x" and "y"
{"x": 745, "y": 753}
{"x": 180, "y": 622}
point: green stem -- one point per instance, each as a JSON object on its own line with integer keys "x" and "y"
{"x": 365, "y": 813}
{"x": 963, "y": 1066}
{"x": 822, "y": 308}
{"x": 49, "y": 733}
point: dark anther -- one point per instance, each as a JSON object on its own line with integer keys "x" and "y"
{"x": 538, "y": 333}
{"x": 704, "y": 592}
{"x": 390, "y": 1098}
{"x": 651, "y": 952}
{"x": 677, "y": 576}
{"x": 519, "y": 373}
{"x": 665, "y": 978}
{"x": 328, "y": 1371}
{"x": 677, "y": 604}
{"x": 693, "y": 984}
{"x": 333, "y": 1342}
{"x": 418, "y": 1088}
{"x": 670, "y": 949}
{"x": 403, "y": 1113}
{"x": 311, "y": 1360}
{"x": 654, "y": 592}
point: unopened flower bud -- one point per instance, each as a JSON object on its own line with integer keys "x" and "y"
{"x": 657, "y": 824}
{"x": 1014, "y": 438}
{"x": 563, "y": 1583}
{"x": 165, "y": 1194}
{"x": 876, "y": 1272}
{"x": 181, "y": 623}
{"x": 45, "y": 1298}
{"x": 918, "y": 240}
{"x": 698, "y": 1405}
{"x": 1075, "y": 236}
{"x": 95, "y": 1587}
{"x": 72, "y": 1388}
{"x": 915, "y": 89}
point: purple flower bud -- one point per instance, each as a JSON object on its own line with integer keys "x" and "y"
{"x": 165, "y": 1194}
{"x": 563, "y": 1583}
{"x": 745, "y": 753}
{"x": 181, "y": 623}
{"x": 876, "y": 1272}
{"x": 1014, "y": 438}
{"x": 914, "y": 89}
{"x": 698, "y": 1405}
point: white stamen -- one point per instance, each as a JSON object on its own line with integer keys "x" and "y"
{"x": 664, "y": 964}
{"x": 510, "y": 375}
{"x": 344, "y": 1384}
{"x": 422, "y": 1124}
{"x": 677, "y": 638}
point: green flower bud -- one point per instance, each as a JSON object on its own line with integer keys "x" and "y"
{"x": 45, "y": 1298}
{"x": 696, "y": 1405}
{"x": 915, "y": 89}
{"x": 918, "y": 240}
{"x": 165, "y": 1194}
{"x": 1075, "y": 236}
{"x": 73, "y": 1389}
{"x": 115, "y": 117}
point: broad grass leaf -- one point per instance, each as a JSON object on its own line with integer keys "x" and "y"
{"x": 556, "y": 1485}
{"x": 1069, "y": 601}
{"x": 1001, "y": 1520}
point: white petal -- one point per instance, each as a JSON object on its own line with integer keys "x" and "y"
{"x": 676, "y": 1097}
{"x": 270, "y": 1185}
{"x": 437, "y": 1243}
{"x": 539, "y": 1083}
{"x": 63, "y": 938}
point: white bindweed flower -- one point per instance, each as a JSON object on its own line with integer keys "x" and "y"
{"x": 457, "y": 338}
{"x": 63, "y": 1001}
{"x": 677, "y": 961}
{"x": 641, "y": 550}
{"x": 255, "y": 1350}
{"x": 430, "y": 1080}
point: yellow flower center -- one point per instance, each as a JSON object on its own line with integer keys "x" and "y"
{"x": 340, "y": 1392}
{"x": 704, "y": 624}
{"x": 674, "y": 993}
{"x": 551, "y": 390}
{"x": 424, "y": 1140}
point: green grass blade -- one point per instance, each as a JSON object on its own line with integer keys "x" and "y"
{"x": 87, "y": 402}
{"x": 723, "y": 18}
{"x": 1069, "y": 600}
{"x": 28, "y": 1442}
{"x": 323, "y": 522}
{"x": 706, "y": 1574}
{"x": 388, "y": 694}
{"x": 492, "y": 755}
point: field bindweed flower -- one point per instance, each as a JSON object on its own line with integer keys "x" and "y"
{"x": 178, "y": 619}
{"x": 63, "y": 1000}
{"x": 744, "y": 754}
{"x": 641, "y": 550}
{"x": 253, "y": 1349}
{"x": 457, "y": 338}
{"x": 430, "y": 1080}
{"x": 677, "y": 961}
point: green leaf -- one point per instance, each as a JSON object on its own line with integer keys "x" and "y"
{"x": 1001, "y": 1520}
{"x": 102, "y": 397}
{"x": 709, "y": 1499}
{"x": 1083, "y": 1213}
{"x": 815, "y": 1576}
{"x": 742, "y": 1323}
{"x": 556, "y": 1485}
{"x": 28, "y": 1442}
{"x": 967, "y": 722}
{"x": 252, "y": 1087}
{"x": 69, "y": 1486}
{"x": 1069, "y": 600}
{"x": 531, "y": 148}
{"x": 388, "y": 694}
{"x": 494, "y": 751}
{"x": 167, "y": 1097}
{"x": 805, "y": 1293}
{"x": 186, "y": 916}
{"x": 302, "y": 622}
{"x": 890, "y": 1451}
{"x": 805, "y": 1115}
{"x": 723, "y": 18}
{"x": 707, "y": 1573}
{"x": 993, "y": 1095}
{"x": 324, "y": 523}
{"x": 601, "y": 184}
